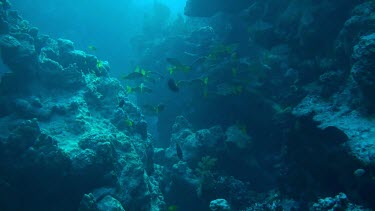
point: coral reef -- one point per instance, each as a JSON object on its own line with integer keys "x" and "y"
{"x": 292, "y": 94}
{"x": 269, "y": 107}
{"x": 219, "y": 204}
{"x": 65, "y": 143}
{"x": 339, "y": 202}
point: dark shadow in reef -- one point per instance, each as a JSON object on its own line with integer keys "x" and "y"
{"x": 318, "y": 165}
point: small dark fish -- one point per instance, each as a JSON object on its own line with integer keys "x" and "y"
{"x": 179, "y": 152}
{"x": 154, "y": 110}
{"x": 133, "y": 75}
{"x": 173, "y": 86}
{"x": 121, "y": 103}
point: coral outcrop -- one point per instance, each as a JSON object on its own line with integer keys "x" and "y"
{"x": 70, "y": 138}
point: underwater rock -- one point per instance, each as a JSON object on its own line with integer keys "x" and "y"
{"x": 183, "y": 175}
{"x": 141, "y": 128}
{"x": 23, "y": 136}
{"x": 359, "y": 24}
{"x": 235, "y": 191}
{"x": 196, "y": 145}
{"x": 84, "y": 160}
{"x": 339, "y": 202}
{"x": 272, "y": 201}
{"x": 181, "y": 123}
{"x": 363, "y": 69}
{"x": 212, "y": 137}
{"x": 133, "y": 178}
{"x": 331, "y": 82}
{"x": 16, "y": 53}
{"x": 349, "y": 91}
{"x": 65, "y": 46}
{"x": 219, "y": 205}
{"x": 159, "y": 155}
{"x": 33, "y": 32}
{"x": 109, "y": 203}
{"x": 358, "y": 128}
{"x": 70, "y": 146}
{"x": 88, "y": 203}
{"x": 237, "y": 137}
{"x": 101, "y": 147}
{"x": 28, "y": 151}
{"x": 49, "y": 52}
{"x": 54, "y": 76}
{"x": 75, "y": 56}
{"x": 4, "y": 27}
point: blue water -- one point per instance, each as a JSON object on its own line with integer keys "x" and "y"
{"x": 107, "y": 25}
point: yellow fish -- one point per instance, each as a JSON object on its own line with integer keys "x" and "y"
{"x": 172, "y": 208}
{"x": 138, "y": 89}
{"x": 91, "y": 48}
{"x": 99, "y": 64}
{"x": 176, "y": 65}
{"x": 234, "y": 72}
{"x": 129, "y": 122}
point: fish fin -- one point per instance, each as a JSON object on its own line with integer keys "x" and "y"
{"x": 129, "y": 89}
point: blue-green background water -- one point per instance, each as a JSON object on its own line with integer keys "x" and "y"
{"x": 107, "y": 25}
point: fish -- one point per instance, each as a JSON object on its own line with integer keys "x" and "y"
{"x": 241, "y": 127}
{"x": 177, "y": 66}
{"x": 140, "y": 70}
{"x": 190, "y": 54}
{"x": 199, "y": 83}
{"x": 156, "y": 73}
{"x": 205, "y": 92}
{"x": 154, "y": 110}
{"x": 129, "y": 122}
{"x": 183, "y": 83}
{"x": 99, "y": 64}
{"x": 173, "y": 86}
{"x": 138, "y": 73}
{"x": 222, "y": 50}
{"x": 226, "y": 89}
{"x": 234, "y": 72}
{"x": 193, "y": 82}
{"x": 142, "y": 73}
{"x": 132, "y": 76}
{"x": 171, "y": 69}
{"x": 205, "y": 81}
{"x": 138, "y": 89}
{"x": 91, "y": 48}
{"x": 172, "y": 208}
